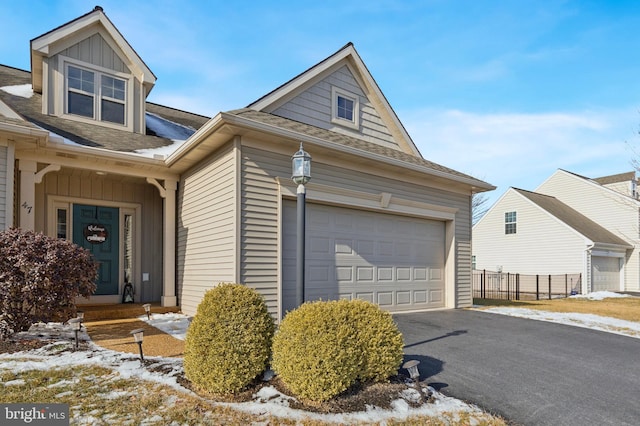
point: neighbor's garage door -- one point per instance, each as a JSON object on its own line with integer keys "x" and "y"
{"x": 606, "y": 273}
{"x": 394, "y": 261}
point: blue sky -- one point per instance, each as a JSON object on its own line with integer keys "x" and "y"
{"x": 507, "y": 91}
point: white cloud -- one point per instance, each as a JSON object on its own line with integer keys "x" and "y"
{"x": 520, "y": 149}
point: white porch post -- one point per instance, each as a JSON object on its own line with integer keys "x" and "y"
{"x": 27, "y": 200}
{"x": 169, "y": 250}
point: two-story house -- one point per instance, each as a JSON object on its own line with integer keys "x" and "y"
{"x": 570, "y": 224}
{"x": 79, "y": 160}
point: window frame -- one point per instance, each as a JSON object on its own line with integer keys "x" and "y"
{"x": 337, "y": 93}
{"x": 510, "y": 222}
{"x": 98, "y": 96}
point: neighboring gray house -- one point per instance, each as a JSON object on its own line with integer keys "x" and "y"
{"x": 570, "y": 224}
{"x": 383, "y": 223}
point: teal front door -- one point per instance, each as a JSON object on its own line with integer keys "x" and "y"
{"x": 97, "y": 229}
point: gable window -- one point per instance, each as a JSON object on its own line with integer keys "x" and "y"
{"x": 96, "y": 95}
{"x": 510, "y": 223}
{"x": 345, "y": 108}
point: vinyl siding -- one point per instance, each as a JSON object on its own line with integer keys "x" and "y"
{"x": 541, "y": 245}
{"x": 4, "y": 179}
{"x": 259, "y": 229}
{"x": 619, "y": 215}
{"x": 206, "y": 241}
{"x": 88, "y": 188}
{"x": 313, "y": 106}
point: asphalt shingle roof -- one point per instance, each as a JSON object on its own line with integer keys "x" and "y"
{"x": 573, "y": 218}
{"x": 88, "y": 134}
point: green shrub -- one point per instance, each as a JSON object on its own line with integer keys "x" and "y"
{"x": 322, "y": 348}
{"x": 381, "y": 343}
{"x": 228, "y": 342}
{"x": 315, "y": 350}
{"x": 40, "y": 279}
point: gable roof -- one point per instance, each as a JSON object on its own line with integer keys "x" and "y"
{"x": 620, "y": 177}
{"x": 573, "y": 218}
{"x": 51, "y": 42}
{"x": 348, "y": 56}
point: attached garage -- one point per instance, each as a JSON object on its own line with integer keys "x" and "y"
{"x": 605, "y": 273}
{"x": 395, "y": 261}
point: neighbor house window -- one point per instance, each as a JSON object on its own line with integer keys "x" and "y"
{"x": 96, "y": 95}
{"x": 473, "y": 262}
{"x": 345, "y": 109}
{"x": 510, "y": 223}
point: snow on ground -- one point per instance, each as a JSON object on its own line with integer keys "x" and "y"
{"x": 595, "y": 322}
{"x": 268, "y": 400}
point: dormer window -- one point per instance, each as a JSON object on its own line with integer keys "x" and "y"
{"x": 345, "y": 108}
{"x": 95, "y": 95}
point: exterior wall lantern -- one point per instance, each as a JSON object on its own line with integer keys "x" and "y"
{"x": 301, "y": 174}
{"x": 138, "y": 336}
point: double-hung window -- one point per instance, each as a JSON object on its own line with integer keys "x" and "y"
{"x": 96, "y": 95}
{"x": 510, "y": 222}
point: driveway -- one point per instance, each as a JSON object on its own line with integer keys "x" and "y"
{"x": 529, "y": 372}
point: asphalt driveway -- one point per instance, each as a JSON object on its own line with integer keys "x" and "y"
{"x": 530, "y": 372}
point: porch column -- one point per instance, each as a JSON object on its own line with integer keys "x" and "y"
{"x": 27, "y": 200}
{"x": 169, "y": 250}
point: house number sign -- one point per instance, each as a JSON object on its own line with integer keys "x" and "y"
{"x": 95, "y": 233}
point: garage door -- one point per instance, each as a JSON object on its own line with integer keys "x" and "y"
{"x": 394, "y": 261}
{"x": 606, "y": 273}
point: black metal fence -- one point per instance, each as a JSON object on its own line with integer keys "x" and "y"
{"x": 510, "y": 286}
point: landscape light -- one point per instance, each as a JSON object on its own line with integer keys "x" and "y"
{"x": 147, "y": 309}
{"x": 138, "y": 336}
{"x": 75, "y": 325}
{"x": 412, "y": 367}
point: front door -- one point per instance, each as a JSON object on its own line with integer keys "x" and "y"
{"x": 97, "y": 229}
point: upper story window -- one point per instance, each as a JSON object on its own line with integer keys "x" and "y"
{"x": 95, "y": 95}
{"x": 510, "y": 223}
{"x": 345, "y": 108}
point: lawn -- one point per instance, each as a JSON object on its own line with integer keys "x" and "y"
{"x": 623, "y": 308}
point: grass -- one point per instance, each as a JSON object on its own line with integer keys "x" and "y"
{"x": 98, "y": 395}
{"x": 624, "y": 308}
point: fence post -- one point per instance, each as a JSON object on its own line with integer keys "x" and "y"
{"x": 517, "y": 286}
{"x": 482, "y": 279}
{"x": 537, "y": 287}
{"x": 549, "y": 286}
{"x": 566, "y": 289}
{"x": 508, "y": 286}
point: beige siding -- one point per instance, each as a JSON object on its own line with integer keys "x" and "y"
{"x": 259, "y": 231}
{"x": 94, "y": 50}
{"x": 541, "y": 245}
{"x": 313, "y": 106}
{"x": 4, "y": 179}
{"x": 86, "y": 187}
{"x": 617, "y": 214}
{"x": 206, "y": 228}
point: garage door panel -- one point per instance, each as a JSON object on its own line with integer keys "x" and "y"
{"x": 391, "y": 260}
{"x": 605, "y": 273}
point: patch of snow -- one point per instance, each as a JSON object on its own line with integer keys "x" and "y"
{"x": 171, "y": 323}
{"x": 598, "y": 295}
{"x": 22, "y": 90}
{"x": 17, "y": 382}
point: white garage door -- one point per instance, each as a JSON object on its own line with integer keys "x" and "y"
{"x": 606, "y": 273}
{"x": 394, "y": 261}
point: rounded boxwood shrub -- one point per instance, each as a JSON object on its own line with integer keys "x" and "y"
{"x": 381, "y": 343}
{"x": 315, "y": 350}
{"x": 229, "y": 340}
{"x": 322, "y": 348}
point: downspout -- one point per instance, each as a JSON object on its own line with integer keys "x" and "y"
{"x": 587, "y": 277}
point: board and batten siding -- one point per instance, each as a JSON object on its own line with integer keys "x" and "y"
{"x": 85, "y": 187}
{"x": 206, "y": 234}
{"x": 313, "y": 106}
{"x": 542, "y": 244}
{"x": 616, "y": 213}
{"x": 259, "y": 229}
{"x": 4, "y": 181}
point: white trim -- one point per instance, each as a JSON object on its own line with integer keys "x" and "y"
{"x": 335, "y": 119}
{"x": 325, "y": 194}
